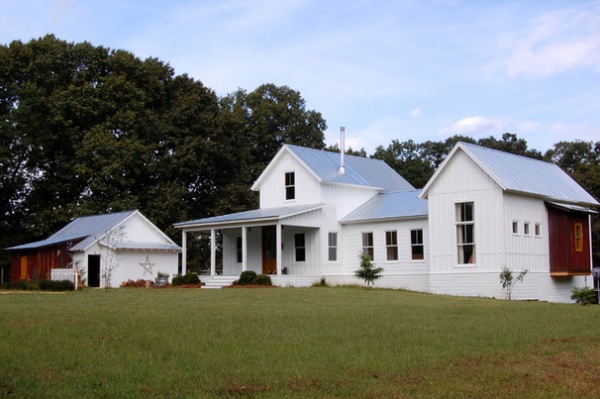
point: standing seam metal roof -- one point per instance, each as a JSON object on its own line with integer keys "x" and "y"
{"x": 527, "y": 175}
{"x": 88, "y": 228}
{"x": 360, "y": 171}
{"x": 265, "y": 213}
{"x": 390, "y": 205}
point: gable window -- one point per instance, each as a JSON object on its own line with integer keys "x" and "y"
{"x": 526, "y": 230}
{"x": 391, "y": 245}
{"x": 578, "y": 237}
{"x": 538, "y": 230}
{"x": 332, "y": 246}
{"x": 416, "y": 244}
{"x": 290, "y": 186}
{"x": 300, "y": 247}
{"x": 239, "y": 249}
{"x": 515, "y": 227}
{"x": 465, "y": 233}
{"x": 367, "y": 244}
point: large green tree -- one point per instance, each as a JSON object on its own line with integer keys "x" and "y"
{"x": 87, "y": 130}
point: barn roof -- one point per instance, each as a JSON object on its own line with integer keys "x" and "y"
{"x": 521, "y": 174}
{"x": 87, "y": 228}
{"x": 390, "y": 205}
{"x": 359, "y": 171}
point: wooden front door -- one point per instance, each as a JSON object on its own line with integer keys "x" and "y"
{"x": 269, "y": 250}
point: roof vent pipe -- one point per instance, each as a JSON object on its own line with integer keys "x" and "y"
{"x": 342, "y": 171}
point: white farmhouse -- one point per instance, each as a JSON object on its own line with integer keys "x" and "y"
{"x": 482, "y": 210}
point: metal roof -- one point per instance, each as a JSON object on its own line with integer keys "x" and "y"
{"x": 359, "y": 171}
{"x": 88, "y": 228}
{"x": 156, "y": 246}
{"x": 253, "y": 215}
{"x": 390, "y": 205}
{"x": 524, "y": 175}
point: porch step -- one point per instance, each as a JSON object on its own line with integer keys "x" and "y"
{"x": 215, "y": 282}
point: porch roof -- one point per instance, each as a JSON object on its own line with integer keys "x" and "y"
{"x": 256, "y": 215}
{"x": 390, "y": 205}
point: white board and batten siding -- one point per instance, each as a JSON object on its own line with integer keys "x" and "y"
{"x": 272, "y": 186}
{"x": 404, "y": 272}
{"x": 526, "y": 249}
{"x": 463, "y": 181}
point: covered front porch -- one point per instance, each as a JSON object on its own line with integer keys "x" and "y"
{"x": 281, "y": 242}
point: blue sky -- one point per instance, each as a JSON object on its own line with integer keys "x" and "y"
{"x": 384, "y": 69}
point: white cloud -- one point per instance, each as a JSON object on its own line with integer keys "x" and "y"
{"x": 469, "y": 126}
{"x": 552, "y": 43}
{"x": 416, "y": 113}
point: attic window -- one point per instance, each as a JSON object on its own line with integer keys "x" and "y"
{"x": 290, "y": 186}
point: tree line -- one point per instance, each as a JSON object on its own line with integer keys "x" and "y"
{"x": 88, "y": 130}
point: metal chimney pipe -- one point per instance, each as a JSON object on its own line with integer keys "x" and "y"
{"x": 342, "y": 170}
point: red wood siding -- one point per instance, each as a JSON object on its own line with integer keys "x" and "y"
{"x": 39, "y": 262}
{"x": 565, "y": 258}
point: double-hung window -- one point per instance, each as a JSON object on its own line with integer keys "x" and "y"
{"x": 465, "y": 233}
{"x": 367, "y": 244}
{"x": 391, "y": 245}
{"x": 416, "y": 244}
{"x": 332, "y": 246}
{"x": 290, "y": 186}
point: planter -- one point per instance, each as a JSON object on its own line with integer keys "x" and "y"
{"x": 160, "y": 281}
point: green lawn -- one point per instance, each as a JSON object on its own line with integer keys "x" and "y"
{"x": 288, "y": 342}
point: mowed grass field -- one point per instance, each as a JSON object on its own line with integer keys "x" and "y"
{"x": 321, "y": 342}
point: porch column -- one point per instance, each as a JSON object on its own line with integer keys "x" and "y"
{"x": 244, "y": 248}
{"x": 279, "y": 246}
{"x": 183, "y": 252}
{"x": 213, "y": 253}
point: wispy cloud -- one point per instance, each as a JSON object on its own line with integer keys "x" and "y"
{"x": 552, "y": 43}
{"x": 469, "y": 126}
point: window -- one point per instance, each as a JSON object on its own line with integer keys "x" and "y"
{"x": 465, "y": 233}
{"x": 515, "y": 227}
{"x": 239, "y": 249}
{"x": 367, "y": 244}
{"x": 300, "y": 247}
{"x": 526, "y": 228}
{"x": 578, "y": 237}
{"x": 391, "y": 245}
{"x": 416, "y": 244}
{"x": 290, "y": 186}
{"x": 332, "y": 246}
{"x": 538, "y": 230}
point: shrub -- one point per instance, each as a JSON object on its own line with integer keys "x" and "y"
{"x": 188, "y": 279}
{"x": 262, "y": 279}
{"x": 191, "y": 278}
{"x": 584, "y": 295}
{"x": 19, "y": 285}
{"x": 247, "y": 277}
{"x": 177, "y": 280}
{"x": 56, "y": 285}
